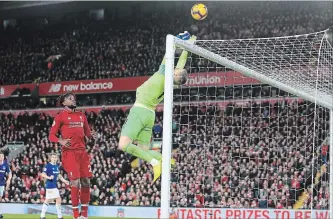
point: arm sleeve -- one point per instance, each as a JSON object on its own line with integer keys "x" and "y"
{"x": 182, "y": 60}
{"x": 55, "y": 129}
{"x": 45, "y": 170}
{"x": 8, "y": 169}
{"x": 86, "y": 128}
{"x": 161, "y": 70}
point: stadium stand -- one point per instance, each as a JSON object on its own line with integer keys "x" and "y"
{"x": 273, "y": 180}
{"x": 76, "y": 48}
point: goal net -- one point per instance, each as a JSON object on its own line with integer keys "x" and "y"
{"x": 250, "y": 129}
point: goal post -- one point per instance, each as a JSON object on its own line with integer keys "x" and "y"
{"x": 299, "y": 65}
{"x": 167, "y": 126}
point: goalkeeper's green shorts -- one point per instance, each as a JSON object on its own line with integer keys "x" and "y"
{"x": 139, "y": 125}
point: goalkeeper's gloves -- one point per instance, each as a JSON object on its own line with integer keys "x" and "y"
{"x": 184, "y": 36}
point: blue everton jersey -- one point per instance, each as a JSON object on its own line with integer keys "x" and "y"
{"x": 50, "y": 170}
{"x": 4, "y": 171}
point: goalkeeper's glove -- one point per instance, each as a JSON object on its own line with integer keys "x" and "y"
{"x": 184, "y": 36}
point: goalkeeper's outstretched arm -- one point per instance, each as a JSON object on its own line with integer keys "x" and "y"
{"x": 183, "y": 57}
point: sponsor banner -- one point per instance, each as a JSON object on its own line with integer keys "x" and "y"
{"x": 179, "y": 213}
{"x": 7, "y": 90}
{"x": 131, "y": 83}
{"x": 213, "y": 79}
{"x": 96, "y": 109}
{"x": 91, "y": 86}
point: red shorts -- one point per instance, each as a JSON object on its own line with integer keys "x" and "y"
{"x": 77, "y": 164}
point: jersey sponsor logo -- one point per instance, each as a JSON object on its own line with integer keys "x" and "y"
{"x": 69, "y": 118}
{"x": 55, "y": 88}
{"x": 75, "y": 125}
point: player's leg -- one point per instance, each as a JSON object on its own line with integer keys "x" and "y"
{"x": 71, "y": 166}
{"x": 2, "y": 190}
{"x": 130, "y": 130}
{"x": 86, "y": 174}
{"x": 144, "y": 138}
{"x": 44, "y": 207}
{"x": 58, "y": 207}
{"x": 145, "y": 135}
{"x": 85, "y": 196}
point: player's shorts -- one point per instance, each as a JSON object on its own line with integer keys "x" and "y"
{"x": 52, "y": 193}
{"x": 2, "y": 190}
{"x": 77, "y": 164}
{"x": 139, "y": 125}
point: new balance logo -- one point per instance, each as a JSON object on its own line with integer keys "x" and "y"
{"x": 55, "y": 88}
{"x": 2, "y": 91}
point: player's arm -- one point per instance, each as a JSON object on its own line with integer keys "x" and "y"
{"x": 44, "y": 174}
{"x": 62, "y": 179}
{"x": 55, "y": 129}
{"x": 9, "y": 177}
{"x": 87, "y": 131}
{"x": 56, "y": 125}
{"x": 183, "y": 57}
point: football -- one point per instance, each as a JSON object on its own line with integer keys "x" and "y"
{"x": 199, "y": 11}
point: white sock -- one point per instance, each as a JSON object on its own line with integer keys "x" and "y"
{"x": 0, "y": 209}
{"x": 154, "y": 162}
{"x": 58, "y": 207}
{"x": 44, "y": 209}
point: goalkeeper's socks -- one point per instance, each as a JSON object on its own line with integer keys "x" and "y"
{"x": 138, "y": 152}
{"x": 58, "y": 207}
{"x": 155, "y": 154}
{"x": 44, "y": 209}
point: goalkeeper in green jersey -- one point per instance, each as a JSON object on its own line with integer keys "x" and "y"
{"x": 141, "y": 119}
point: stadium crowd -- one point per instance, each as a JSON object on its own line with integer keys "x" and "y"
{"x": 257, "y": 155}
{"x": 78, "y": 48}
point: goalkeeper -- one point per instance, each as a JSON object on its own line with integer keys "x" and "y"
{"x": 141, "y": 119}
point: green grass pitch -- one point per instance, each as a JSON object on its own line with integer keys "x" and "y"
{"x": 37, "y": 216}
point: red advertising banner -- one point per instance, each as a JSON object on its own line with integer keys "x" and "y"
{"x": 212, "y": 79}
{"x": 131, "y": 83}
{"x": 7, "y": 90}
{"x": 91, "y": 86}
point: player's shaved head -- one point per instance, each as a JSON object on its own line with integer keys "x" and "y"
{"x": 180, "y": 76}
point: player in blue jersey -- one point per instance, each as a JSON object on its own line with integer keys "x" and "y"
{"x": 51, "y": 173}
{"x": 5, "y": 177}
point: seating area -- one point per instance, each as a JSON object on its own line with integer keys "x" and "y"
{"x": 252, "y": 156}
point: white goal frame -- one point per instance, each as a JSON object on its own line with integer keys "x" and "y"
{"x": 171, "y": 43}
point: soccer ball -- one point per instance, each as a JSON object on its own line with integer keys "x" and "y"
{"x": 199, "y": 11}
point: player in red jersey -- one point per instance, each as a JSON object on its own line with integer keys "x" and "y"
{"x": 73, "y": 127}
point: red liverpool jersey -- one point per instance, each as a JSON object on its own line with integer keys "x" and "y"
{"x": 73, "y": 125}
